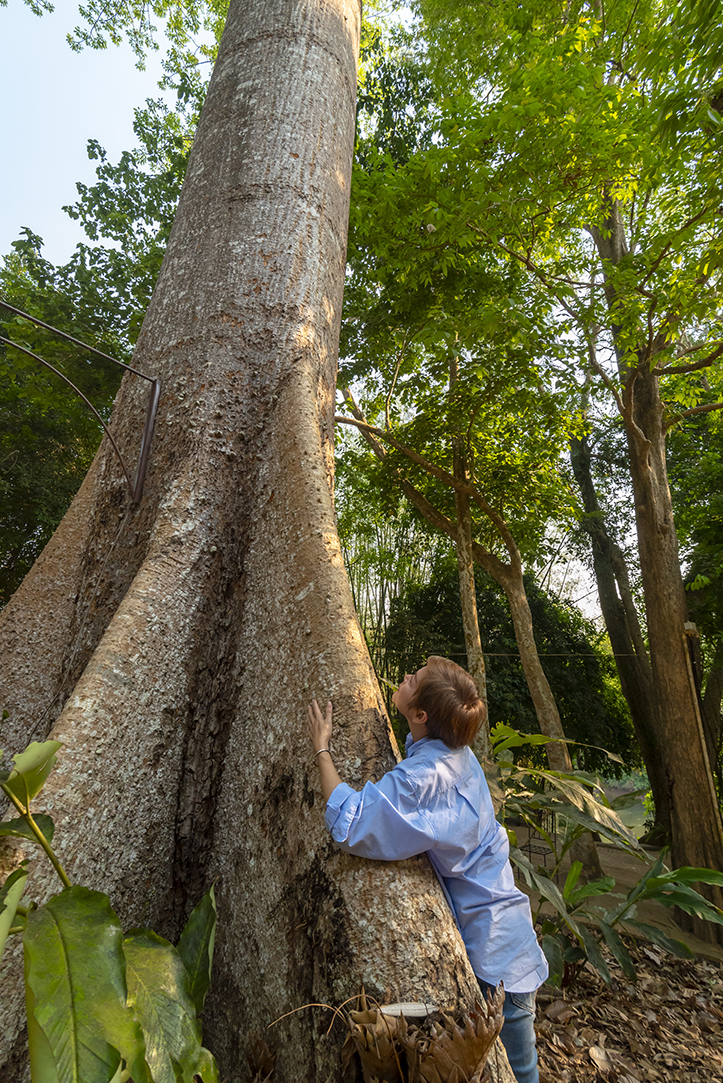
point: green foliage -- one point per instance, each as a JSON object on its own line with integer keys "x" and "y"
{"x": 10, "y": 895}
{"x": 101, "y": 1005}
{"x": 19, "y": 828}
{"x": 74, "y": 969}
{"x": 696, "y": 476}
{"x": 159, "y": 992}
{"x": 32, "y": 767}
{"x": 577, "y": 923}
{"x": 573, "y": 116}
{"x": 394, "y": 97}
{"x": 426, "y": 619}
{"x": 196, "y": 948}
{"x": 47, "y": 435}
{"x": 194, "y": 28}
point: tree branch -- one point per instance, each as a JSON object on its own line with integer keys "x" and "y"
{"x": 689, "y": 413}
{"x": 666, "y": 248}
{"x": 435, "y": 471}
{"x": 695, "y": 366}
{"x": 370, "y": 432}
{"x": 527, "y": 262}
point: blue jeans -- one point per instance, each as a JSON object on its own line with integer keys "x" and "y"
{"x": 518, "y": 1033}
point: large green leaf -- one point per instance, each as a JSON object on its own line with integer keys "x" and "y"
{"x": 75, "y": 970}
{"x": 657, "y": 936}
{"x": 574, "y": 815}
{"x": 553, "y": 954}
{"x": 627, "y": 905}
{"x": 546, "y": 888}
{"x": 594, "y": 954}
{"x": 618, "y": 949}
{"x": 20, "y": 829}
{"x": 32, "y": 767}
{"x": 686, "y": 874}
{"x": 159, "y": 991}
{"x": 579, "y": 797}
{"x": 589, "y": 890}
{"x": 572, "y": 878}
{"x": 42, "y": 1061}
{"x": 671, "y": 894}
{"x": 10, "y": 895}
{"x": 196, "y": 947}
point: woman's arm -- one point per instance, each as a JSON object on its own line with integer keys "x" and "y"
{"x": 382, "y": 821}
{"x": 320, "y": 734}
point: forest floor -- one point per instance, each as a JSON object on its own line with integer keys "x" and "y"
{"x": 665, "y": 1028}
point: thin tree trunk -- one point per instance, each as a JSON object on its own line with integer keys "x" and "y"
{"x": 223, "y": 607}
{"x": 711, "y": 712}
{"x": 695, "y": 821}
{"x": 696, "y": 830}
{"x": 548, "y": 716}
{"x": 468, "y": 599}
{"x": 631, "y": 660}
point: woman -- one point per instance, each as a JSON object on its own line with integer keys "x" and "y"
{"x": 436, "y": 801}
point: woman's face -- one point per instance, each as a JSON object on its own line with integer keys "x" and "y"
{"x": 406, "y": 691}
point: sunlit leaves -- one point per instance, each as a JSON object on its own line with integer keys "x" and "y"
{"x": 30, "y": 770}
{"x": 137, "y": 22}
{"x": 160, "y": 993}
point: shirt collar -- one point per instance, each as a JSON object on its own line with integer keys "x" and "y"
{"x": 411, "y": 746}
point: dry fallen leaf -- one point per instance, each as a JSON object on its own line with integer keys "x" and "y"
{"x": 560, "y": 1011}
{"x": 600, "y": 1058}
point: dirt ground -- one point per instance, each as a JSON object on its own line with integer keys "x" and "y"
{"x": 665, "y": 1028}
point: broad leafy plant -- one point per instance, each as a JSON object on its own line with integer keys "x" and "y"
{"x": 102, "y": 1006}
{"x": 573, "y": 921}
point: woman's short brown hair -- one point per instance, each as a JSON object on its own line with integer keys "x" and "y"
{"x": 451, "y": 700}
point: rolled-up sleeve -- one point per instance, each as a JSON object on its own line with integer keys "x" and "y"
{"x": 382, "y": 821}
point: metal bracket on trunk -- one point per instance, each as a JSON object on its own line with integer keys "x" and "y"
{"x": 135, "y": 487}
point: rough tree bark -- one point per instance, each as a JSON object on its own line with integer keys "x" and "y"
{"x": 173, "y": 647}
{"x": 695, "y": 821}
{"x": 621, "y": 621}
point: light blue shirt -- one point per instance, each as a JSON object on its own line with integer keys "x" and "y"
{"x": 437, "y": 802}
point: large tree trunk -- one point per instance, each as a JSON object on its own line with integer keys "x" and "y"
{"x": 711, "y": 713}
{"x": 696, "y": 830}
{"x": 200, "y": 623}
{"x": 696, "y": 833}
{"x": 631, "y": 658}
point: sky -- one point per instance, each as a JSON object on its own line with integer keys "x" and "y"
{"x": 54, "y": 101}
